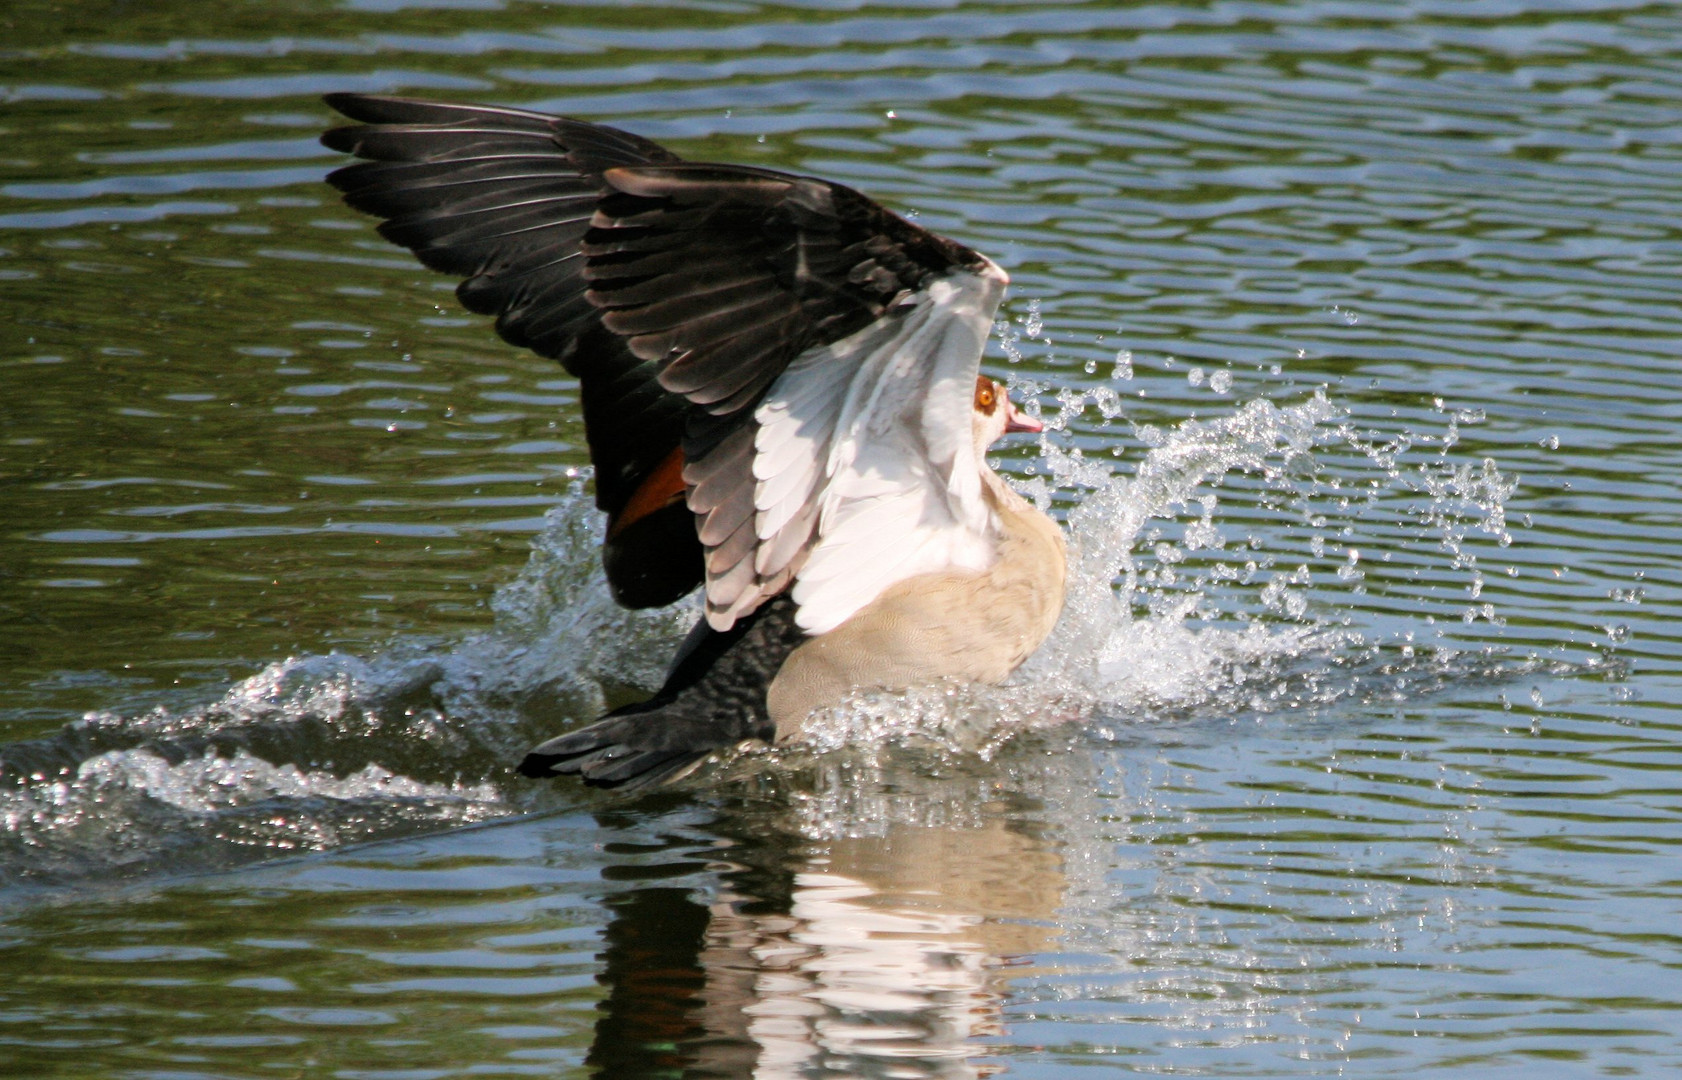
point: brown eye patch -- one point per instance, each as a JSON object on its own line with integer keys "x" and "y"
{"x": 986, "y": 395}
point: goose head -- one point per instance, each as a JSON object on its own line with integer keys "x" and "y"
{"x": 996, "y": 414}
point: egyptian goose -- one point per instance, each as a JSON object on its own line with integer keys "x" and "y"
{"x": 783, "y": 403}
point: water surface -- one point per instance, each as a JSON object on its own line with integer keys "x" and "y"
{"x": 1355, "y": 327}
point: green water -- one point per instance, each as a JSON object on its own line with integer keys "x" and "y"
{"x": 1356, "y": 328}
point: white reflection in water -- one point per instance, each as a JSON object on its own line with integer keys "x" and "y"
{"x": 892, "y": 948}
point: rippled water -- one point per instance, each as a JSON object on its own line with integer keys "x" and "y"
{"x": 1356, "y": 330}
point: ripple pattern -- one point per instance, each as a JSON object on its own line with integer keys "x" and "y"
{"x": 1356, "y": 327}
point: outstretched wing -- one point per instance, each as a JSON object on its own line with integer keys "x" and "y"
{"x": 502, "y": 198}
{"x": 703, "y": 309}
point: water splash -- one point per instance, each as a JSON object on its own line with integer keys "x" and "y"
{"x": 1248, "y": 565}
{"x": 317, "y": 752}
{"x": 1240, "y": 567}
{"x": 1172, "y": 608}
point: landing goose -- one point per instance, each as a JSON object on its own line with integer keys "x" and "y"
{"x": 783, "y": 402}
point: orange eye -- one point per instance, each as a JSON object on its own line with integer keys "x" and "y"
{"x": 986, "y": 395}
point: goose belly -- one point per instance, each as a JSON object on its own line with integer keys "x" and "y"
{"x": 963, "y": 625}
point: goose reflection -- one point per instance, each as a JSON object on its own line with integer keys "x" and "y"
{"x": 888, "y": 954}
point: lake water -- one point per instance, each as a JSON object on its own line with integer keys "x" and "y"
{"x": 1358, "y": 751}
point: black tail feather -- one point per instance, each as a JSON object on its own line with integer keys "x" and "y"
{"x": 619, "y": 751}
{"x": 714, "y": 699}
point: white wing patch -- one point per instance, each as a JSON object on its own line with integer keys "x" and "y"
{"x": 865, "y": 461}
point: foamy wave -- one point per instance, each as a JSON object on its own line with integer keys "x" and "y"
{"x": 137, "y": 809}
{"x": 211, "y": 783}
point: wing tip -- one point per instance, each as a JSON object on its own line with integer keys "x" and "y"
{"x": 605, "y": 755}
{"x": 344, "y": 102}
{"x": 615, "y": 767}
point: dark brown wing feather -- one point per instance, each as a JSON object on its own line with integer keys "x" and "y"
{"x": 676, "y": 292}
{"x": 502, "y": 198}
{"x": 722, "y": 275}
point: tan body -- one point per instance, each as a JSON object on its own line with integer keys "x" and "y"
{"x": 973, "y": 626}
